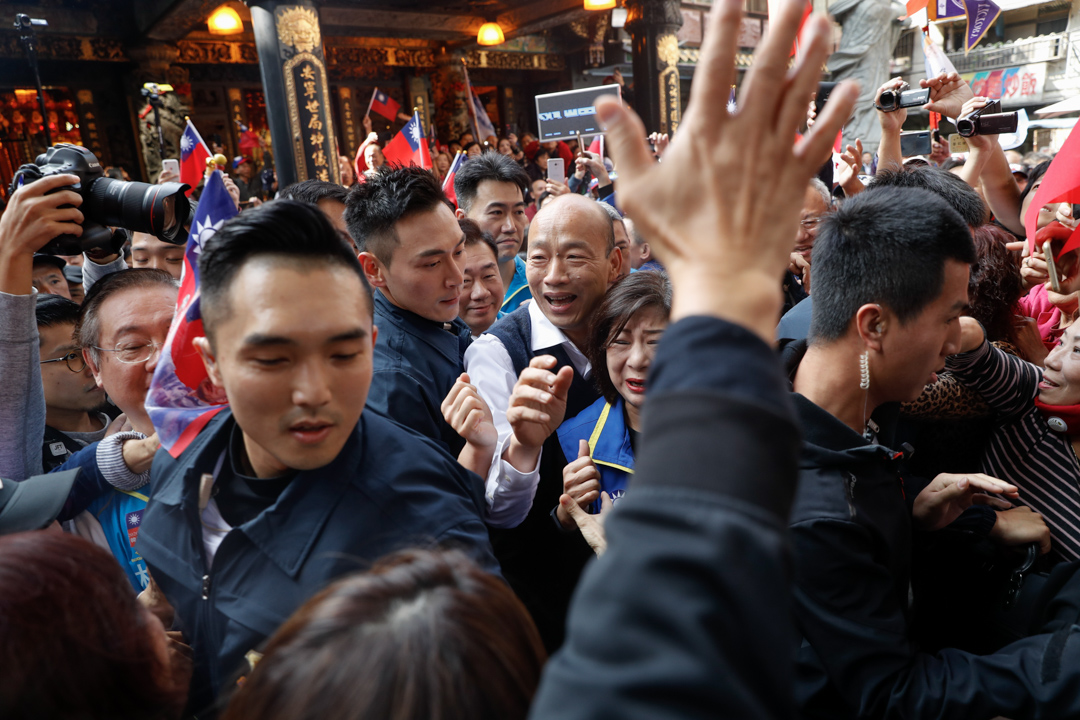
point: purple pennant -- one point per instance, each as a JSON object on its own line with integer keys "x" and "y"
{"x": 981, "y": 14}
{"x": 948, "y": 9}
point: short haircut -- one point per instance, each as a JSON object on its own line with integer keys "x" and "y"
{"x": 88, "y": 326}
{"x": 823, "y": 191}
{"x": 423, "y": 634}
{"x": 475, "y": 236}
{"x": 390, "y": 194}
{"x": 635, "y": 292}
{"x": 55, "y": 310}
{"x": 613, "y": 213}
{"x": 1034, "y": 176}
{"x": 314, "y": 191}
{"x": 887, "y": 247}
{"x": 946, "y": 185}
{"x": 488, "y": 166}
{"x": 288, "y": 229}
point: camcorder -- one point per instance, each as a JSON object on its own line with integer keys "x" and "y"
{"x": 902, "y": 97}
{"x": 160, "y": 210}
{"x": 987, "y": 120}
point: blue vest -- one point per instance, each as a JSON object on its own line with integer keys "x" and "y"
{"x": 120, "y": 514}
{"x": 517, "y": 291}
{"x": 604, "y": 426}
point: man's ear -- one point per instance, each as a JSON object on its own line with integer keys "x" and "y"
{"x": 95, "y": 369}
{"x": 373, "y": 269}
{"x": 615, "y": 260}
{"x": 459, "y": 213}
{"x": 872, "y": 324}
{"x": 646, "y": 252}
{"x": 202, "y": 346}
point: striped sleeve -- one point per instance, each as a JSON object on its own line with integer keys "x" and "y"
{"x": 1006, "y": 383}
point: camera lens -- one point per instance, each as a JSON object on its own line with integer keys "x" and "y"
{"x": 159, "y": 210}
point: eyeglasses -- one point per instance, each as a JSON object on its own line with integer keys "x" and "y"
{"x": 810, "y": 223}
{"x": 73, "y": 360}
{"x": 132, "y": 353}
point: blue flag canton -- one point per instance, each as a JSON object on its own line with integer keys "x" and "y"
{"x": 413, "y": 133}
{"x": 215, "y": 207}
{"x": 380, "y": 97}
{"x": 188, "y": 141}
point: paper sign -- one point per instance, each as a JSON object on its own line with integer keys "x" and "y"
{"x": 571, "y": 113}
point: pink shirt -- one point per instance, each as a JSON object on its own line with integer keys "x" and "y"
{"x": 1036, "y": 304}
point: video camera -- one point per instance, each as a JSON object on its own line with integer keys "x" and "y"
{"x": 902, "y": 97}
{"x": 160, "y": 210}
{"x": 987, "y": 120}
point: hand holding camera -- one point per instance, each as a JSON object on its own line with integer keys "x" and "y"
{"x": 986, "y": 119}
{"x": 891, "y": 120}
{"x": 37, "y": 213}
{"x": 948, "y": 93}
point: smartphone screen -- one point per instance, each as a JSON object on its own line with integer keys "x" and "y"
{"x": 915, "y": 143}
{"x": 556, "y": 170}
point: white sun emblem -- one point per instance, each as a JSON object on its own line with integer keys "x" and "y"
{"x": 203, "y": 232}
{"x": 731, "y": 105}
{"x": 415, "y": 132}
{"x": 133, "y": 519}
{"x": 186, "y": 143}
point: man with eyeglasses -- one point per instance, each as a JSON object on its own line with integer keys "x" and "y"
{"x": 817, "y": 202}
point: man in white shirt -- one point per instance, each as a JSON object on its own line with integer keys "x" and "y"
{"x": 571, "y": 262}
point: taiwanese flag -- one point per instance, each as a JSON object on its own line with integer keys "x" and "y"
{"x": 409, "y": 146}
{"x": 448, "y": 181}
{"x": 384, "y": 105}
{"x": 193, "y": 157}
{"x": 182, "y": 399}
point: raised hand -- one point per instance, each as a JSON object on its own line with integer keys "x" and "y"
{"x": 850, "y": 165}
{"x": 948, "y": 495}
{"x": 34, "y": 216}
{"x": 581, "y": 482}
{"x": 725, "y": 245}
{"x": 466, "y": 412}
{"x": 537, "y": 407}
{"x": 948, "y": 93}
{"x": 591, "y": 526}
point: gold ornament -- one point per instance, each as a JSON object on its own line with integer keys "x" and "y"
{"x": 667, "y": 50}
{"x": 298, "y": 27}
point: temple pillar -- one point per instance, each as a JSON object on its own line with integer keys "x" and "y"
{"x": 451, "y": 112}
{"x": 652, "y": 25}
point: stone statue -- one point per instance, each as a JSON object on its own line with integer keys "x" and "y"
{"x": 870, "y": 31}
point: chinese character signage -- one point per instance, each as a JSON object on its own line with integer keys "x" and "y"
{"x": 314, "y": 147}
{"x": 1015, "y": 86}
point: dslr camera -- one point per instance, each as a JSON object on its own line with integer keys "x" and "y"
{"x": 160, "y": 210}
{"x": 902, "y": 97}
{"x": 987, "y": 120}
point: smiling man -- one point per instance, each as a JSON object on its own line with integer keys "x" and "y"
{"x": 490, "y": 190}
{"x": 412, "y": 251}
{"x": 293, "y": 485}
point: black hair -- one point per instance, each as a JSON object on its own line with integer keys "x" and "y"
{"x": 488, "y": 166}
{"x": 313, "y": 191}
{"x": 887, "y": 247}
{"x": 282, "y": 228}
{"x": 1034, "y": 176}
{"x": 389, "y": 195}
{"x": 949, "y": 187}
{"x": 475, "y": 236}
{"x": 55, "y": 310}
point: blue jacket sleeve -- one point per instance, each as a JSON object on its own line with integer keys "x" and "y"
{"x": 400, "y": 397}
{"x": 89, "y": 486}
{"x": 687, "y": 613}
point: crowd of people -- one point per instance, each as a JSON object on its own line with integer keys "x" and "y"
{"x": 436, "y": 489}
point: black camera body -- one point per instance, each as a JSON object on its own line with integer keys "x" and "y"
{"x": 987, "y": 120}
{"x": 160, "y": 210}
{"x": 900, "y": 98}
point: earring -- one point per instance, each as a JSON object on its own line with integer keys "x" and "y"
{"x": 864, "y": 371}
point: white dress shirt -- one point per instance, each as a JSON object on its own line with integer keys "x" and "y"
{"x": 509, "y": 493}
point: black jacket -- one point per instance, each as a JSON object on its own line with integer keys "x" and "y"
{"x": 851, "y": 534}
{"x": 388, "y": 489}
{"x": 687, "y": 615}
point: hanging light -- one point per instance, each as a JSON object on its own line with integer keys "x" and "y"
{"x": 490, "y": 34}
{"x": 225, "y": 21}
{"x": 599, "y": 4}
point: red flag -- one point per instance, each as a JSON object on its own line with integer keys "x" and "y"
{"x": 193, "y": 156}
{"x": 809, "y": 7}
{"x": 1061, "y": 183}
{"x": 597, "y": 145}
{"x": 384, "y": 105}
{"x": 409, "y": 146}
{"x": 914, "y": 6}
{"x": 448, "y": 181}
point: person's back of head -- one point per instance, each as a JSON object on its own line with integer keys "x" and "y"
{"x": 74, "y": 640}
{"x": 887, "y": 245}
{"x": 53, "y": 310}
{"x": 995, "y": 286}
{"x": 489, "y": 166}
{"x": 960, "y": 196}
{"x": 314, "y": 191}
{"x": 424, "y": 635}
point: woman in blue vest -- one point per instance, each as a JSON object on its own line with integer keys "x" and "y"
{"x": 622, "y": 343}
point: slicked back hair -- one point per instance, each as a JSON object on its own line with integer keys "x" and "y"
{"x": 286, "y": 229}
{"x": 88, "y": 326}
{"x": 390, "y": 194}
{"x": 55, "y": 310}
{"x": 960, "y": 196}
{"x": 887, "y": 247}
{"x": 487, "y": 166}
{"x": 314, "y": 191}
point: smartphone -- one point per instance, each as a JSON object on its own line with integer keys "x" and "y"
{"x": 824, "y": 89}
{"x": 915, "y": 143}
{"x": 172, "y": 166}
{"x": 958, "y": 144}
{"x": 556, "y": 170}
{"x": 1051, "y": 268}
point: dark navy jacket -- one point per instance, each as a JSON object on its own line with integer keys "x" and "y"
{"x": 416, "y": 362}
{"x": 388, "y": 489}
{"x": 687, "y": 615}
